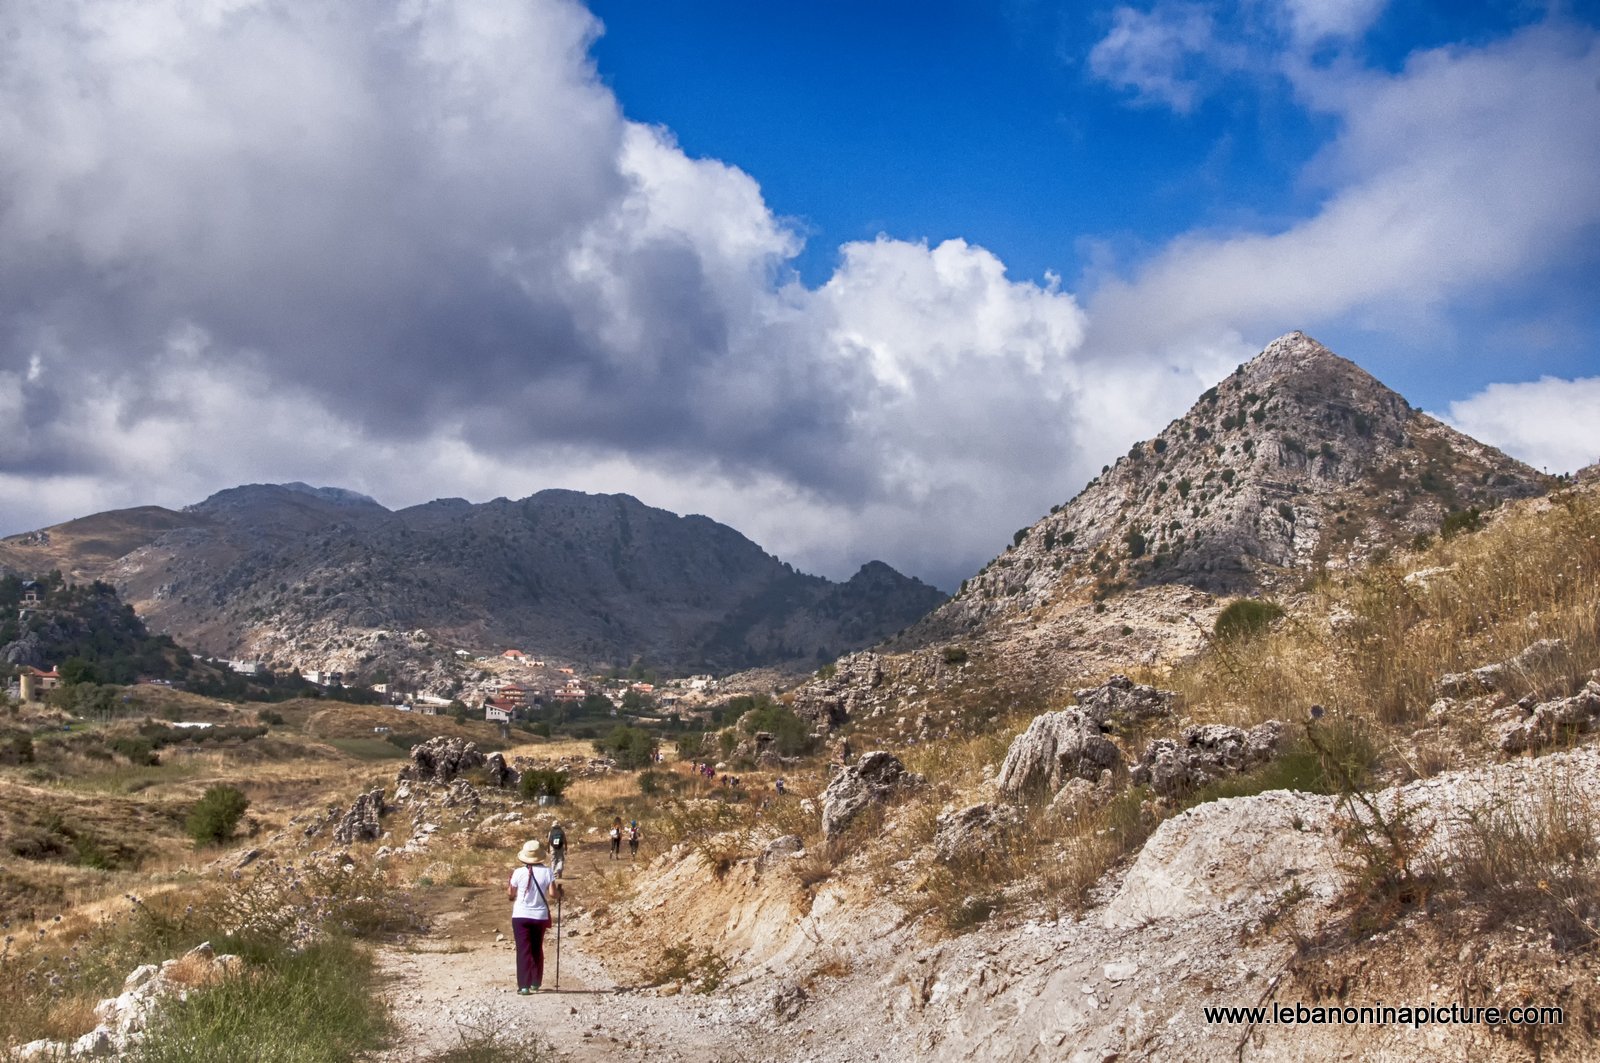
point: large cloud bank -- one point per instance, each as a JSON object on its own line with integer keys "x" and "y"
{"x": 417, "y": 250}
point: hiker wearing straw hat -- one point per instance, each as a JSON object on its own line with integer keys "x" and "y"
{"x": 531, "y": 890}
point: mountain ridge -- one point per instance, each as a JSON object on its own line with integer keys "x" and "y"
{"x": 322, "y": 577}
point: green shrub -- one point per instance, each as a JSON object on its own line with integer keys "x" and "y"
{"x": 216, "y": 814}
{"x": 542, "y": 782}
{"x": 791, "y": 736}
{"x": 1246, "y": 618}
{"x": 955, "y": 654}
{"x": 630, "y": 747}
{"x": 1460, "y": 521}
{"x": 1136, "y": 544}
{"x": 137, "y": 750}
{"x": 697, "y": 745}
{"x": 19, "y": 748}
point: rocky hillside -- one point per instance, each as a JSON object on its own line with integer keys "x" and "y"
{"x": 320, "y": 577}
{"x": 1298, "y": 462}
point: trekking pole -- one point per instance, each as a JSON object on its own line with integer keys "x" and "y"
{"x": 558, "y": 942}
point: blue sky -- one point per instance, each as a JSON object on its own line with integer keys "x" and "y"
{"x": 862, "y": 280}
{"x": 988, "y": 122}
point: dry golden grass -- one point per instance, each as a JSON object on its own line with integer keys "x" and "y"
{"x": 1531, "y": 860}
{"x": 1373, "y": 645}
{"x": 831, "y": 964}
{"x": 1369, "y": 649}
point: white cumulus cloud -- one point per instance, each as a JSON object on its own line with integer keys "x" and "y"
{"x": 1548, "y": 423}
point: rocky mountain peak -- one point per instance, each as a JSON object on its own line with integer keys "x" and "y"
{"x": 1297, "y": 462}
{"x": 299, "y": 497}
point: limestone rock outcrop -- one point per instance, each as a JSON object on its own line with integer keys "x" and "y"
{"x": 361, "y": 822}
{"x": 969, "y": 831}
{"x": 122, "y": 1019}
{"x": 1203, "y": 755}
{"x": 828, "y": 700}
{"x": 873, "y": 778}
{"x": 1121, "y": 697}
{"x": 1544, "y": 723}
{"x": 1494, "y": 677}
{"x": 1056, "y": 747}
{"x": 440, "y": 759}
{"x": 501, "y": 774}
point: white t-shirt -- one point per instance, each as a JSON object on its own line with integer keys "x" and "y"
{"x": 530, "y": 904}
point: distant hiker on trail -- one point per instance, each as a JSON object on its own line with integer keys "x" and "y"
{"x": 558, "y": 849}
{"x": 778, "y": 785}
{"x": 633, "y": 839}
{"x": 531, "y": 890}
{"x": 616, "y": 838}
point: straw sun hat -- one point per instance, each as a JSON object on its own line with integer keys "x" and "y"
{"x": 529, "y": 854}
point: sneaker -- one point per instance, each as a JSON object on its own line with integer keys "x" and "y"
{"x": 535, "y": 989}
{"x": 524, "y": 992}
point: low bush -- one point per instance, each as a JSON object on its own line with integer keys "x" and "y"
{"x": 543, "y": 782}
{"x": 1246, "y": 618}
{"x": 1459, "y": 522}
{"x": 216, "y": 815}
{"x": 700, "y": 972}
{"x": 485, "y": 1041}
{"x": 630, "y": 747}
{"x": 791, "y": 736}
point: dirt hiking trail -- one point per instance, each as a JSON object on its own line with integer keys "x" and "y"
{"x": 457, "y": 984}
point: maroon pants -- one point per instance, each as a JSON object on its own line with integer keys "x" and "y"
{"x": 529, "y": 936}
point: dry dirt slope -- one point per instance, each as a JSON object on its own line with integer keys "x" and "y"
{"x": 1215, "y": 911}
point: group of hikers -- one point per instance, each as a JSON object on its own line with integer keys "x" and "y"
{"x": 535, "y": 893}
{"x": 535, "y": 890}
{"x": 618, "y": 832}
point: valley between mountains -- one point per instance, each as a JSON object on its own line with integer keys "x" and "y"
{"x": 1294, "y": 705}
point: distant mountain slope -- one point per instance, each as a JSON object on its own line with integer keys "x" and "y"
{"x": 1297, "y": 462}
{"x": 83, "y": 549}
{"x": 297, "y": 574}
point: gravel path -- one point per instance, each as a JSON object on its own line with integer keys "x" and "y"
{"x": 457, "y": 984}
